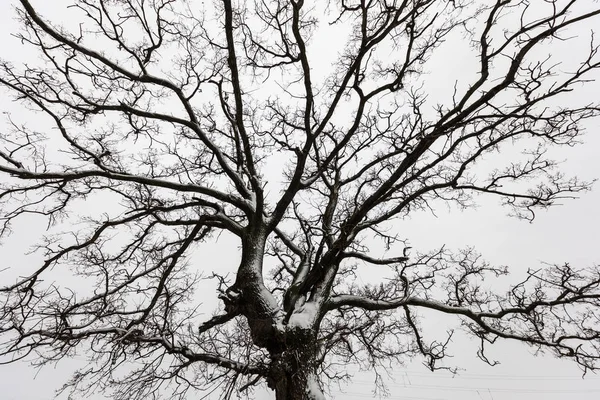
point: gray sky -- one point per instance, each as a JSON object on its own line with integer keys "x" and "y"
{"x": 565, "y": 233}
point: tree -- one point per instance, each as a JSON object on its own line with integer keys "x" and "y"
{"x": 191, "y": 121}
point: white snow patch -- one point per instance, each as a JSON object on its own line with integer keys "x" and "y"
{"x": 313, "y": 390}
{"x": 268, "y": 299}
{"x": 305, "y": 317}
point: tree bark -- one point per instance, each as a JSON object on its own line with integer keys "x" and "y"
{"x": 293, "y": 348}
{"x": 298, "y": 385}
{"x": 293, "y": 371}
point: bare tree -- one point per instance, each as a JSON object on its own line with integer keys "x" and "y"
{"x": 189, "y": 120}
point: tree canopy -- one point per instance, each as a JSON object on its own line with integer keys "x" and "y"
{"x": 307, "y": 131}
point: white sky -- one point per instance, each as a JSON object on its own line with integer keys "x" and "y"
{"x": 565, "y": 233}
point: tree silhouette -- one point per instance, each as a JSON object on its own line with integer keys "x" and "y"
{"x": 191, "y": 120}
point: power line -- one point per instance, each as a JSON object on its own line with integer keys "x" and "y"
{"x": 470, "y": 376}
{"x": 420, "y": 387}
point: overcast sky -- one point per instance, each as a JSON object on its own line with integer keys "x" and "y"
{"x": 567, "y": 233}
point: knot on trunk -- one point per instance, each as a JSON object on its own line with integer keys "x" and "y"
{"x": 231, "y": 299}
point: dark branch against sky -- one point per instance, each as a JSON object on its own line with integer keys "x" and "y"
{"x": 197, "y": 124}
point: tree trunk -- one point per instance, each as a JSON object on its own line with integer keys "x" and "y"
{"x": 292, "y": 379}
{"x": 293, "y": 370}
{"x": 299, "y": 385}
{"x": 293, "y": 348}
